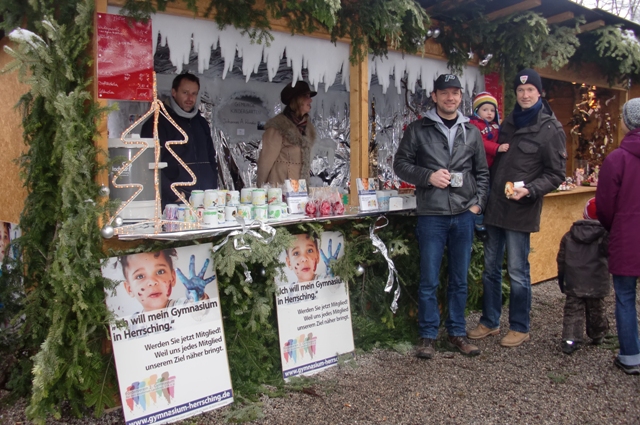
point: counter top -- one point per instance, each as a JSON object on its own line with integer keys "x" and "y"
{"x": 579, "y": 189}
{"x": 149, "y": 233}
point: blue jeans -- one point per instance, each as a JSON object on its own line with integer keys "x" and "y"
{"x": 627, "y": 319}
{"x": 517, "y": 245}
{"x": 434, "y": 233}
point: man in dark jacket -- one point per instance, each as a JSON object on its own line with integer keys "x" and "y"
{"x": 198, "y": 153}
{"x": 443, "y": 155}
{"x": 583, "y": 275}
{"x": 535, "y": 165}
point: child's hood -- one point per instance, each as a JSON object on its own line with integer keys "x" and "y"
{"x": 587, "y": 231}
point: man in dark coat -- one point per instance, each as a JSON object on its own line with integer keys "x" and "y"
{"x": 534, "y": 165}
{"x": 443, "y": 155}
{"x": 583, "y": 276}
{"x": 618, "y": 205}
{"x": 198, "y": 153}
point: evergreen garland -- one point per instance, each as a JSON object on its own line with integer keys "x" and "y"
{"x": 371, "y": 25}
{"x": 64, "y": 311}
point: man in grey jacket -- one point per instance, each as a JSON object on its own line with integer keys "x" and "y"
{"x": 443, "y": 156}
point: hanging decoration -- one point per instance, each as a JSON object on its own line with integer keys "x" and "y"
{"x": 382, "y": 248}
{"x": 592, "y": 130}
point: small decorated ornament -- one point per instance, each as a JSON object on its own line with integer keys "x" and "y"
{"x": 107, "y": 232}
{"x": 104, "y": 191}
{"x": 310, "y": 209}
{"x": 325, "y": 208}
{"x": 263, "y": 272}
{"x": 118, "y": 221}
{"x": 359, "y": 270}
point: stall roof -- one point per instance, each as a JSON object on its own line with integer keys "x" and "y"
{"x": 438, "y": 9}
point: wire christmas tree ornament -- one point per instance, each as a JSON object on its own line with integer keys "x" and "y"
{"x": 157, "y": 108}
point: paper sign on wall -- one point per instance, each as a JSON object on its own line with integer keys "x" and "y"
{"x": 169, "y": 349}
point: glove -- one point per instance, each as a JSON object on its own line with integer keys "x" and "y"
{"x": 334, "y": 256}
{"x": 195, "y": 284}
{"x": 561, "y": 282}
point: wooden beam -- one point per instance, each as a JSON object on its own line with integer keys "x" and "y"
{"x": 518, "y": 7}
{"x": 560, "y": 17}
{"x": 359, "y": 115}
{"x": 591, "y": 26}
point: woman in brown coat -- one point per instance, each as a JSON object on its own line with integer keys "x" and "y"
{"x": 288, "y": 138}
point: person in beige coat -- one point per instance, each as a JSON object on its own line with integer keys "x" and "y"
{"x": 288, "y": 138}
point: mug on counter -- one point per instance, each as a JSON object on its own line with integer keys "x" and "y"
{"x": 220, "y": 214}
{"x": 171, "y": 212}
{"x": 230, "y": 212}
{"x": 197, "y": 198}
{"x": 274, "y": 211}
{"x": 245, "y": 194}
{"x": 210, "y": 198}
{"x": 286, "y": 210}
{"x": 260, "y": 212}
{"x": 210, "y": 217}
{"x": 233, "y": 197}
{"x": 259, "y": 197}
{"x": 245, "y": 211}
{"x": 222, "y": 198}
{"x": 274, "y": 194}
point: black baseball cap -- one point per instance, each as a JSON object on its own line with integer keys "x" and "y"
{"x": 446, "y": 81}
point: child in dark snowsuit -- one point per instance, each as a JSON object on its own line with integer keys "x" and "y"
{"x": 583, "y": 275}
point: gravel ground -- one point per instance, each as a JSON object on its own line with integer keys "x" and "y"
{"x": 532, "y": 384}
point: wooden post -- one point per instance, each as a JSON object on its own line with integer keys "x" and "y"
{"x": 359, "y": 115}
{"x": 102, "y": 141}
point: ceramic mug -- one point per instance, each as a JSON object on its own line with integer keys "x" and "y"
{"x": 260, "y": 212}
{"x": 245, "y": 195}
{"x": 222, "y": 198}
{"x": 259, "y": 197}
{"x": 197, "y": 198}
{"x": 285, "y": 209}
{"x": 233, "y": 197}
{"x": 230, "y": 212}
{"x": 274, "y": 211}
{"x": 210, "y": 217}
{"x": 245, "y": 211}
{"x": 383, "y": 199}
{"x": 220, "y": 214}
{"x": 210, "y": 198}
{"x": 274, "y": 194}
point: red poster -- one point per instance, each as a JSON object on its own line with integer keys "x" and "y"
{"x": 125, "y": 58}
{"x": 493, "y": 85}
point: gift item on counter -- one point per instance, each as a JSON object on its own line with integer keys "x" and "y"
{"x": 170, "y": 212}
{"x": 220, "y": 214}
{"x": 285, "y": 209}
{"x": 245, "y": 194}
{"x": 367, "y": 194}
{"x": 245, "y": 211}
{"x": 210, "y": 198}
{"x": 383, "y": 197}
{"x": 232, "y": 197}
{"x": 197, "y": 198}
{"x": 566, "y": 185}
{"x": 274, "y": 194}
{"x": 210, "y": 217}
{"x": 222, "y": 198}
{"x": 578, "y": 176}
{"x": 259, "y": 197}
{"x": 395, "y": 203}
{"x": 338, "y": 205}
{"x": 296, "y": 195}
{"x": 182, "y": 212}
{"x": 274, "y": 211}
{"x": 260, "y": 212}
{"x": 230, "y": 212}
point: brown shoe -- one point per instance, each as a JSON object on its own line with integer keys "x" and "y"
{"x": 463, "y": 344}
{"x": 514, "y": 339}
{"x": 481, "y": 331}
{"x": 426, "y": 348}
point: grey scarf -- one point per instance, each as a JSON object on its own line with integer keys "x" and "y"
{"x": 181, "y": 112}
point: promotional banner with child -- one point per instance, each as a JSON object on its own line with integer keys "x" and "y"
{"x": 314, "y": 316}
{"x": 168, "y": 338}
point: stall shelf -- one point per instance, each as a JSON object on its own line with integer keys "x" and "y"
{"x": 222, "y": 229}
{"x": 559, "y": 211}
